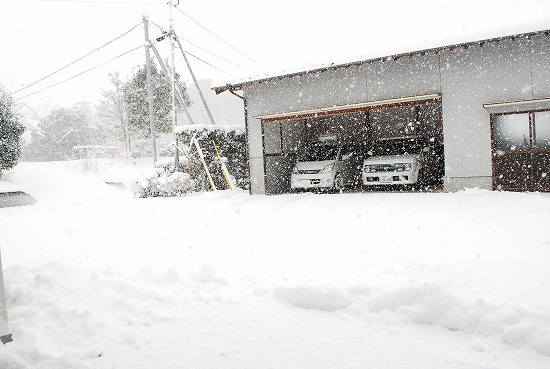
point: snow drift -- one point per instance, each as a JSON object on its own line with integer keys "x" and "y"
{"x": 98, "y": 279}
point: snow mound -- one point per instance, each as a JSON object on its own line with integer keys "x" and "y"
{"x": 57, "y": 311}
{"x": 430, "y": 304}
{"x": 324, "y": 299}
{"x": 447, "y": 280}
{"x": 8, "y": 359}
{"x": 63, "y": 182}
{"x": 208, "y": 275}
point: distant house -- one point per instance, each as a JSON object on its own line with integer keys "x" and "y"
{"x": 484, "y": 105}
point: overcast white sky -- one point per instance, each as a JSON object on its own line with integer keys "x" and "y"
{"x": 40, "y": 36}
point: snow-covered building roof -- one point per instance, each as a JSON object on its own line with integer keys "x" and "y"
{"x": 240, "y": 84}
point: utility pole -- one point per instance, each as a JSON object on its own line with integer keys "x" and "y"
{"x": 193, "y": 76}
{"x": 173, "y": 73}
{"x": 150, "y": 89}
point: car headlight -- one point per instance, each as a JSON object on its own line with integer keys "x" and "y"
{"x": 328, "y": 168}
{"x": 369, "y": 168}
{"x": 295, "y": 170}
{"x": 402, "y": 167}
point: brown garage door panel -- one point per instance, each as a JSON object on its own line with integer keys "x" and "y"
{"x": 541, "y": 171}
{"x": 512, "y": 171}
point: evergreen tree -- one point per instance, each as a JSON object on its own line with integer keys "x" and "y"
{"x": 135, "y": 96}
{"x": 10, "y": 133}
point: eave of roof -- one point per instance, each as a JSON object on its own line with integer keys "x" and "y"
{"x": 349, "y": 108}
{"x": 242, "y": 85}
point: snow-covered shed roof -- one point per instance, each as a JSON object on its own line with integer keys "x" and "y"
{"x": 321, "y": 68}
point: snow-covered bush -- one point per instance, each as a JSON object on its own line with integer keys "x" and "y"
{"x": 165, "y": 182}
{"x": 142, "y": 149}
{"x": 166, "y": 149}
{"x": 231, "y": 143}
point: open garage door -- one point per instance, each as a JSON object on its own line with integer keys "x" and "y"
{"x": 285, "y": 139}
{"x": 521, "y": 151}
{"x": 287, "y": 136}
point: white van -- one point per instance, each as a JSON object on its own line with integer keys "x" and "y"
{"x": 395, "y": 161}
{"x": 318, "y": 167}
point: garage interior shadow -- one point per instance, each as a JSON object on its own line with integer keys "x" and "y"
{"x": 361, "y": 132}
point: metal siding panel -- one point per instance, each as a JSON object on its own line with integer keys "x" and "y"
{"x": 257, "y": 185}
{"x": 351, "y": 85}
{"x": 257, "y": 99}
{"x": 284, "y": 94}
{"x": 497, "y": 71}
{"x": 255, "y": 96}
{"x": 406, "y": 76}
{"x": 255, "y": 142}
{"x": 334, "y": 87}
{"x": 274, "y": 96}
{"x": 318, "y": 90}
{"x": 453, "y": 184}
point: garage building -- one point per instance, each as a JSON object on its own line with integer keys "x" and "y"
{"x": 484, "y": 106}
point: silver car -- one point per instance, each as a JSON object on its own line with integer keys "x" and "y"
{"x": 318, "y": 168}
{"x": 395, "y": 161}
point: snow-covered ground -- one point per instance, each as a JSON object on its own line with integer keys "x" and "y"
{"x": 97, "y": 279}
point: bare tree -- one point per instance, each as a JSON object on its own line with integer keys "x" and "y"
{"x": 114, "y": 109}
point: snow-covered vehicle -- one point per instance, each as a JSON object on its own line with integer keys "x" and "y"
{"x": 395, "y": 161}
{"x": 318, "y": 167}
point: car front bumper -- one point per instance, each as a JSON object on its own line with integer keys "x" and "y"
{"x": 320, "y": 180}
{"x": 389, "y": 178}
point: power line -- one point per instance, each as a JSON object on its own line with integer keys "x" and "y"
{"x": 164, "y": 32}
{"x": 79, "y": 59}
{"x": 213, "y": 34}
{"x": 100, "y": 2}
{"x": 211, "y": 53}
{"x": 81, "y": 73}
{"x": 205, "y": 62}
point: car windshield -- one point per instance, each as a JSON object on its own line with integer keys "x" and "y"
{"x": 319, "y": 153}
{"x": 401, "y": 146}
{"x": 349, "y": 150}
